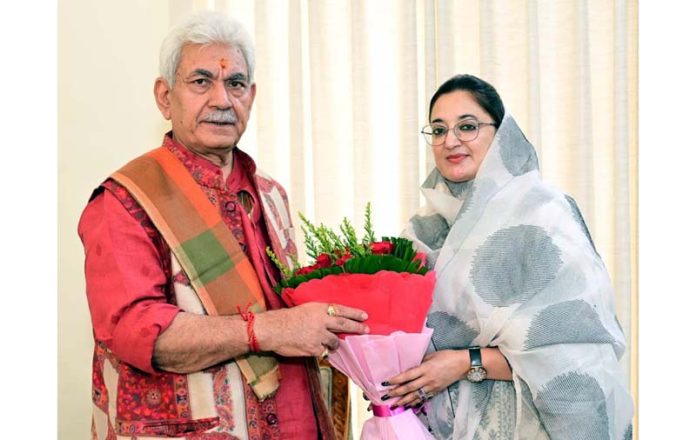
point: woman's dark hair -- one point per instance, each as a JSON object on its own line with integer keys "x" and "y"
{"x": 485, "y": 95}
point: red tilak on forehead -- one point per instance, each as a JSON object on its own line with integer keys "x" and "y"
{"x": 223, "y": 63}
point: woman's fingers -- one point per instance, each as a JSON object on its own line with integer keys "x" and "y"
{"x": 406, "y": 376}
{"x": 417, "y": 397}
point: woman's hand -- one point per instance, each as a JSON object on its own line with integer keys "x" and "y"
{"x": 438, "y": 370}
{"x": 441, "y": 369}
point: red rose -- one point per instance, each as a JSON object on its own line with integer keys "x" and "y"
{"x": 421, "y": 257}
{"x": 345, "y": 257}
{"x": 382, "y": 247}
{"x": 307, "y": 269}
{"x": 323, "y": 260}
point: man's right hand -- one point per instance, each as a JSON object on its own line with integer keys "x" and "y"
{"x": 306, "y": 330}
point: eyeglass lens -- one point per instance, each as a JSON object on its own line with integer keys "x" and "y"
{"x": 465, "y": 130}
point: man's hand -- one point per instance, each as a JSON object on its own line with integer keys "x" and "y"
{"x": 306, "y": 330}
{"x": 195, "y": 342}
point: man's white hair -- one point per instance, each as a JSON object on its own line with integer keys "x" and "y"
{"x": 204, "y": 28}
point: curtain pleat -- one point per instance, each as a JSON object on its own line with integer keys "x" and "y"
{"x": 344, "y": 88}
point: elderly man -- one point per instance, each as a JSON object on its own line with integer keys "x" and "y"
{"x": 190, "y": 340}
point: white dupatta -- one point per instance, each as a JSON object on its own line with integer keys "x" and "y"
{"x": 517, "y": 270}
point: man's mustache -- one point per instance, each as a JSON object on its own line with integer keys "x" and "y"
{"x": 221, "y": 116}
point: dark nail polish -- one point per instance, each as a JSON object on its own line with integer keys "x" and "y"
{"x": 385, "y": 383}
{"x": 385, "y": 397}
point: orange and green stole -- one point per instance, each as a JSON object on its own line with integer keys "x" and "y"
{"x": 220, "y": 273}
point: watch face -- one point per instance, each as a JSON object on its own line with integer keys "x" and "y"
{"x": 476, "y": 374}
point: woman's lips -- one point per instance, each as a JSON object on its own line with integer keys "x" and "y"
{"x": 456, "y": 158}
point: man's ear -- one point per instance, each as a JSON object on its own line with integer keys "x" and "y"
{"x": 252, "y": 92}
{"x": 162, "y": 97}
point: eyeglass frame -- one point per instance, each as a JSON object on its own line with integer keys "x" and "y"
{"x": 455, "y": 130}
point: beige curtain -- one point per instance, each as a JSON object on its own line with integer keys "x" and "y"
{"x": 343, "y": 89}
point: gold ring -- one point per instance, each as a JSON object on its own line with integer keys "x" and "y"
{"x": 331, "y": 310}
{"x": 325, "y": 353}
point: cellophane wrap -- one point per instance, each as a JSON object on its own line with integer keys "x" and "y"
{"x": 397, "y": 305}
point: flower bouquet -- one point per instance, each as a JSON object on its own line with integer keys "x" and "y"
{"x": 387, "y": 279}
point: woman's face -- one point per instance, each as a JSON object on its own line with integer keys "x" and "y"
{"x": 456, "y": 160}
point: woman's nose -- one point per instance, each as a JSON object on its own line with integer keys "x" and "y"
{"x": 451, "y": 139}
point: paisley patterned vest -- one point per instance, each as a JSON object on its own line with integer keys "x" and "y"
{"x": 215, "y": 403}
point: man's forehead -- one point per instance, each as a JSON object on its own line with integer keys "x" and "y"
{"x": 212, "y": 56}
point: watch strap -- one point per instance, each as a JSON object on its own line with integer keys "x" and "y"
{"x": 475, "y": 357}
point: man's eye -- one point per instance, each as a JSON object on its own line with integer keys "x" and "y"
{"x": 236, "y": 84}
{"x": 467, "y": 126}
{"x": 200, "y": 82}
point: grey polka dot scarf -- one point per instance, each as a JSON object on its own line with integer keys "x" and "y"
{"x": 517, "y": 269}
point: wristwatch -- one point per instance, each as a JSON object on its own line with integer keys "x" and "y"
{"x": 476, "y": 373}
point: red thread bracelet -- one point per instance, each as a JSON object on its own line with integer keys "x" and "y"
{"x": 249, "y": 317}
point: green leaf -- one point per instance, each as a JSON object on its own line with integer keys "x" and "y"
{"x": 320, "y": 239}
{"x": 284, "y": 270}
{"x": 310, "y": 242}
{"x": 369, "y": 232}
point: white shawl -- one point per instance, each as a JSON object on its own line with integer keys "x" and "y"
{"x": 517, "y": 270}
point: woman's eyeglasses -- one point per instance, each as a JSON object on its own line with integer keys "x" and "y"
{"x": 465, "y": 130}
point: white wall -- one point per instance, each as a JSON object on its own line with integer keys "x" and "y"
{"x": 107, "y": 62}
{"x": 108, "y": 53}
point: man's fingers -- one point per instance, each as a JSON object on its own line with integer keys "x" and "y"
{"x": 344, "y": 325}
{"x": 344, "y": 319}
{"x": 349, "y": 312}
{"x": 332, "y": 342}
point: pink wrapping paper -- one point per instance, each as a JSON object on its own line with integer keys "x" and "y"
{"x": 396, "y": 304}
{"x": 369, "y": 360}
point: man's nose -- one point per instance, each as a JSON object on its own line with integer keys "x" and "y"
{"x": 219, "y": 97}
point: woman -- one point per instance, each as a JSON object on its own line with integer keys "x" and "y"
{"x": 518, "y": 276}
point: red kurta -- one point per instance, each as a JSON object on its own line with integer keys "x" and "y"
{"x": 128, "y": 272}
